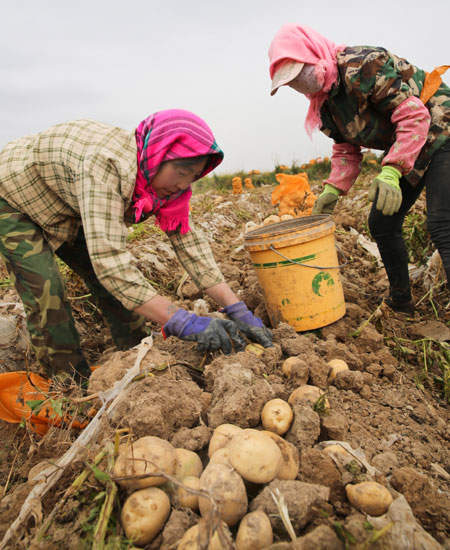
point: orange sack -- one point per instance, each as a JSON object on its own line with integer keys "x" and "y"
{"x": 293, "y": 195}
{"x": 248, "y": 183}
{"x": 24, "y": 397}
{"x": 237, "y": 185}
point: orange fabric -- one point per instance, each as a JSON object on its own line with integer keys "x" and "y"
{"x": 237, "y": 185}
{"x": 248, "y": 183}
{"x": 432, "y": 82}
{"x": 16, "y": 388}
{"x": 293, "y": 195}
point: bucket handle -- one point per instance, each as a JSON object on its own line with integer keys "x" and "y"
{"x": 306, "y": 265}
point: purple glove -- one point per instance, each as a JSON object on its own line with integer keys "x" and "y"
{"x": 210, "y": 334}
{"x": 250, "y": 325}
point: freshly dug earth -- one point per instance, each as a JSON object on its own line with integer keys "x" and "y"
{"x": 389, "y": 408}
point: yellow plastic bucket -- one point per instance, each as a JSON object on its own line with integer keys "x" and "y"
{"x": 298, "y": 271}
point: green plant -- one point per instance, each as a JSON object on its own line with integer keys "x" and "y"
{"x": 432, "y": 357}
{"x": 320, "y": 406}
{"x": 143, "y": 230}
{"x": 416, "y": 237}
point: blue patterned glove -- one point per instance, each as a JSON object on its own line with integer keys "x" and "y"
{"x": 210, "y": 334}
{"x": 250, "y": 325}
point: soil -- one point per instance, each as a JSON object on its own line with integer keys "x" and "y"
{"x": 390, "y": 408}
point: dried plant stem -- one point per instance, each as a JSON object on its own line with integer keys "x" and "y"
{"x": 76, "y": 485}
{"x": 5, "y": 488}
{"x": 105, "y": 514}
{"x": 281, "y": 505}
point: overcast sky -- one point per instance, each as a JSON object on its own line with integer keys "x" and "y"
{"x": 117, "y": 61}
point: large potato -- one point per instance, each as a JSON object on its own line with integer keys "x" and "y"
{"x": 144, "y": 513}
{"x": 222, "y": 436}
{"x": 369, "y": 497}
{"x": 255, "y": 456}
{"x": 187, "y": 498}
{"x": 146, "y": 455}
{"x": 198, "y": 534}
{"x": 228, "y": 491}
{"x": 255, "y": 532}
{"x": 277, "y": 416}
{"x": 290, "y": 461}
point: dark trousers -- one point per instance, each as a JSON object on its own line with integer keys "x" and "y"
{"x": 387, "y": 230}
{"x": 36, "y": 277}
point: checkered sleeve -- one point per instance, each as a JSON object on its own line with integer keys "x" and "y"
{"x": 195, "y": 255}
{"x": 102, "y": 214}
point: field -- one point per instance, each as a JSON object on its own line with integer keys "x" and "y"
{"x": 391, "y": 407}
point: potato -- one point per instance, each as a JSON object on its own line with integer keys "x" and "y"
{"x": 286, "y": 217}
{"x": 255, "y": 532}
{"x": 255, "y": 456}
{"x": 307, "y": 393}
{"x": 228, "y": 491}
{"x": 186, "y": 498}
{"x": 271, "y": 219}
{"x": 192, "y": 537}
{"x": 369, "y": 497}
{"x": 144, "y": 514}
{"x": 220, "y": 457}
{"x": 277, "y": 416}
{"x": 339, "y": 452}
{"x": 256, "y": 349}
{"x": 336, "y": 365}
{"x": 146, "y": 455}
{"x": 289, "y": 364}
{"x": 189, "y": 464}
{"x": 290, "y": 461}
{"x": 222, "y": 436}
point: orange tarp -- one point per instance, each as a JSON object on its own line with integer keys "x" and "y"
{"x": 293, "y": 195}
{"x": 20, "y": 395}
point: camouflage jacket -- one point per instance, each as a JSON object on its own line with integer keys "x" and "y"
{"x": 371, "y": 83}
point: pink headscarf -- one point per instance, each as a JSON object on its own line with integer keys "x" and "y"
{"x": 169, "y": 135}
{"x": 299, "y": 43}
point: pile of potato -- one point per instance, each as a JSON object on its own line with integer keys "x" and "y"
{"x": 158, "y": 476}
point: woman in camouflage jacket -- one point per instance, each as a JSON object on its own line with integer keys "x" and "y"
{"x": 365, "y": 96}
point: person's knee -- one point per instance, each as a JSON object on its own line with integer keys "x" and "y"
{"x": 381, "y": 229}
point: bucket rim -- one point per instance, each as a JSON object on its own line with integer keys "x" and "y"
{"x": 280, "y": 228}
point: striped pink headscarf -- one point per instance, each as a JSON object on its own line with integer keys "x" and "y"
{"x": 169, "y": 135}
{"x": 299, "y": 43}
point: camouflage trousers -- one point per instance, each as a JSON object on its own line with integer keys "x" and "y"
{"x": 33, "y": 271}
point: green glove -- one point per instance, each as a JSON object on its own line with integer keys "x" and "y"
{"x": 387, "y": 183}
{"x": 326, "y": 201}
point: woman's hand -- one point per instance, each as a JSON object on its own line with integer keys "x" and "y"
{"x": 326, "y": 201}
{"x": 251, "y": 326}
{"x": 387, "y": 183}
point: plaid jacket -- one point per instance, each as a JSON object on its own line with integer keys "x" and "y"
{"x": 83, "y": 173}
{"x": 372, "y": 82}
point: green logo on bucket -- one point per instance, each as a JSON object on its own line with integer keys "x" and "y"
{"x": 320, "y": 278}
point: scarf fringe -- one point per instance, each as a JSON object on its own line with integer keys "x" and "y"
{"x": 171, "y": 224}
